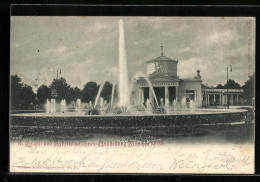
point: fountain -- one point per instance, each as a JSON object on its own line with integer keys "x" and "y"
{"x": 183, "y": 103}
{"x": 48, "y": 106}
{"x": 174, "y": 104}
{"x": 53, "y": 106}
{"x": 192, "y": 106}
{"x": 149, "y": 108}
{"x": 63, "y": 106}
{"x": 78, "y": 106}
{"x": 161, "y": 102}
{"x": 123, "y": 86}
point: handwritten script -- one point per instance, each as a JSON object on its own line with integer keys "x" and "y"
{"x": 121, "y": 157}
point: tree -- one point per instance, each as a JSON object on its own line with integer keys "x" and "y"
{"x": 249, "y": 88}
{"x": 75, "y": 93}
{"x": 43, "y": 93}
{"x": 15, "y": 91}
{"x": 60, "y": 89}
{"x": 107, "y": 91}
{"x": 89, "y": 92}
{"x": 232, "y": 85}
{"x": 27, "y": 97}
{"x": 219, "y": 86}
{"x": 22, "y": 95}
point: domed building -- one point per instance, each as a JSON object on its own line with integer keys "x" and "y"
{"x": 162, "y": 72}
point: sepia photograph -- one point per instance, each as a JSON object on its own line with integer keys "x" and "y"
{"x": 132, "y": 94}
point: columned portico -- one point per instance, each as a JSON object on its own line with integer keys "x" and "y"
{"x": 219, "y": 96}
{"x": 168, "y": 87}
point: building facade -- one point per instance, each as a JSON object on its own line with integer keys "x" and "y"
{"x": 219, "y": 97}
{"x": 163, "y": 83}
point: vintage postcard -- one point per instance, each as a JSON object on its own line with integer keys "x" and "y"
{"x": 132, "y": 94}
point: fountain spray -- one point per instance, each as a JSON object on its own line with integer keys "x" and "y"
{"x": 124, "y": 96}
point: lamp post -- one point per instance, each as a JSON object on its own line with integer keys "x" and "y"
{"x": 58, "y": 73}
{"x": 229, "y": 66}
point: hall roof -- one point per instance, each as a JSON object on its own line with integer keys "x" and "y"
{"x": 159, "y": 78}
{"x": 161, "y": 59}
{"x": 224, "y": 90}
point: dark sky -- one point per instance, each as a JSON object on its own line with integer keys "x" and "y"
{"x": 86, "y": 48}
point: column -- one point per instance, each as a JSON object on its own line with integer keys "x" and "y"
{"x": 226, "y": 98}
{"x": 140, "y": 95}
{"x": 195, "y": 95}
{"x": 220, "y": 99}
{"x": 166, "y": 95}
{"x": 232, "y": 99}
{"x": 151, "y": 98}
{"x": 176, "y": 93}
{"x": 237, "y": 99}
{"x": 208, "y": 99}
{"x": 214, "y": 98}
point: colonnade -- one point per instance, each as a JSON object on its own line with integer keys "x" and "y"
{"x": 151, "y": 96}
{"x": 222, "y": 98}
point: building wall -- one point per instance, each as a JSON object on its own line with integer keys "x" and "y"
{"x": 150, "y": 68}
{"x": 190, "y": 85}
{"x": 168, "y": 68}
{"x": 172, "y": 69}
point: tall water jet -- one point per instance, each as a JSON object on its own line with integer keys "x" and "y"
{"x": 124, "y": 96}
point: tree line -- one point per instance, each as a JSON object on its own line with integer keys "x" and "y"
{"x": 23, "y": 97}
{"x": 248, "y": 87}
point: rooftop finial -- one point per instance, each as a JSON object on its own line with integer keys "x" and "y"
{"x": 162, "y": 49}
